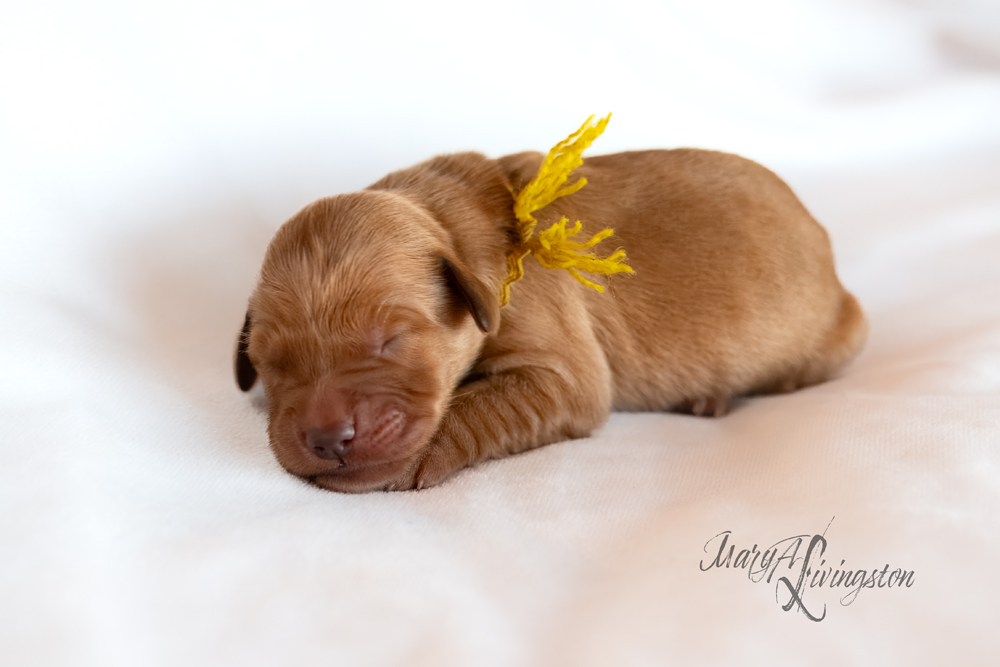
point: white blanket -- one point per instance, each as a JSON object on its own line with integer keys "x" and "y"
{"x": 147, "y": 154}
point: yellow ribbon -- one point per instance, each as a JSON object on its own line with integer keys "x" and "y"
{"x": 553, "y": 247}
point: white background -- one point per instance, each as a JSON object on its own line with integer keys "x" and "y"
{"x": 148, "y": 153}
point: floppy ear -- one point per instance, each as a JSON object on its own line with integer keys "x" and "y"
{"x": 481, "y": 303}
{"x": 246, "y": 374}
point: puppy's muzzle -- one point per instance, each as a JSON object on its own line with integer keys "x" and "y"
{"x": 336, "y": 431}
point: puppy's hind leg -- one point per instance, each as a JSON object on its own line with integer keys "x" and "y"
{"x": 840, "y": 346}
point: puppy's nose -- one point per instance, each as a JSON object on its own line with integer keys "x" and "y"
{"x": 330, "y": 442}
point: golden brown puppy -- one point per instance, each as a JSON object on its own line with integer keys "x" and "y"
{"x": 389, "y": 364}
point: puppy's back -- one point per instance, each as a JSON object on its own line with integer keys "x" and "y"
{"x": 734, "y": 287}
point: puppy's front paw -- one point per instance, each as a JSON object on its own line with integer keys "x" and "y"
{"x": 433, "y": 466}
{"x": 438, "y": 464}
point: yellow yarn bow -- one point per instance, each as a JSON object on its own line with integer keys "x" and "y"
{"x": 553, "y": 247}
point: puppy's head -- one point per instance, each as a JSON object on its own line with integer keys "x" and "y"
{"x": 364, "y": 321}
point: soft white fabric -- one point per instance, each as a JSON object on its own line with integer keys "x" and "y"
{"x": 148, "y": 153}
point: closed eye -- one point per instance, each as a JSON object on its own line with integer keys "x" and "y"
{"x": 391, "y": 344}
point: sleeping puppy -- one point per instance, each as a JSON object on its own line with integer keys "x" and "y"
{"x": 388, "y": 362}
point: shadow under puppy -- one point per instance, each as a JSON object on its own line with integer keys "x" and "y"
{"x": 388, "y": 362}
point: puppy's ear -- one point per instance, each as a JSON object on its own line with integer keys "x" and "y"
{"x": 518, "y": 169}
{"x": 246, "y": 374}
{"x": 484, "y": 307}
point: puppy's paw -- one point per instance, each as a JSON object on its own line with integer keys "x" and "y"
{"x": 707, "y": 406}
{"x": 438, "y": 464}
{"x": 433, "y": 466}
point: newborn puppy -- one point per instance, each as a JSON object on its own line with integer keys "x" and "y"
{"x": 388, "y": 362}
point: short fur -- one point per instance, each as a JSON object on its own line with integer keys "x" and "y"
{"x": 377, "y": 319}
